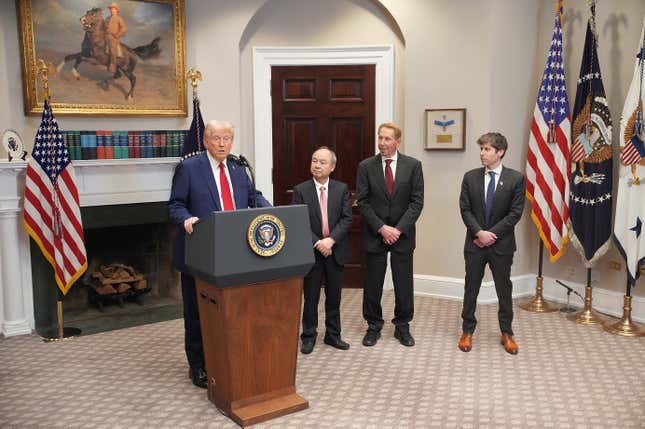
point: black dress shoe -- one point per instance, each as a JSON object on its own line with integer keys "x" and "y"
{"x": 336, "y": 342}
{"x": 198, "y": 377}
{"x": 371, "y": 337}
{"x": 307, "y": 346}
{"x": 404, "y": 337}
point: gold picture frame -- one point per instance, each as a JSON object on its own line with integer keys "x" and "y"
{"x": 53, "y": 30}
{"x": 445, "y": 129}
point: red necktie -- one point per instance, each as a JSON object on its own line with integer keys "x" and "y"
{"x": 323, "y": 212}
{"x": 389, "y": 177}
{"x": 225, "y": 188}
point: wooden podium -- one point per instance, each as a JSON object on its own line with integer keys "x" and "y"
{"x": 249, "y": 308}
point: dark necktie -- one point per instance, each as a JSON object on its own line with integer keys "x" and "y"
{"x": 490, "y": 194}
{"x": 225, "y": 189}
{"x": 389, "y": 177}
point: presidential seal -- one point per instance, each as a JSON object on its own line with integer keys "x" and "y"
{"x": 266, "y": 235}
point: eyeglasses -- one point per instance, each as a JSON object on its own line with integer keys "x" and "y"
{"x": 217, "y": 139}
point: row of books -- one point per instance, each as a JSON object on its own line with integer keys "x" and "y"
{"x": 104, "y": 144}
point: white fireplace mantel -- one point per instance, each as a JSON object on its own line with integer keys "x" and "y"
{"x": 100, "y": 183}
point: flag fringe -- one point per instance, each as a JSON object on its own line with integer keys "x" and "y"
{"x": 64, "y": 287}
{"x": 543, "y": 237}
{"x": 600, "y": 252}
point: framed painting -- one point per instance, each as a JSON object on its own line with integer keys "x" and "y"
{"x": 123, "y": 58}
{"x": 445, "y": 129}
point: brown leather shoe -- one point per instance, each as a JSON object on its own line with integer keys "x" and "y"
{"x": 509, "y": 344}
{"x": 466, "y": 342}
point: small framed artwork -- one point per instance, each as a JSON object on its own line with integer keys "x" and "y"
{"x": 445, "y": 129}
{"x": 12, "y": 143}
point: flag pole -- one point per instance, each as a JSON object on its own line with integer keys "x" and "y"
{"x": 587, "y": 316}
{"x": 625, "y": 327}
{"x": 538, "y": 304}
{"x": 194, "y": 144}
{"x": 61, "y": 332}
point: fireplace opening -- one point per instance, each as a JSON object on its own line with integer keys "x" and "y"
{"x": 132, "y": 243}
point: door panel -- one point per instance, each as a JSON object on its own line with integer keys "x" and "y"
{"x": 317, "y": 106}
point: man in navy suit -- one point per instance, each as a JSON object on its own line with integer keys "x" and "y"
{"x": 330, "y": 216}
{"x": 211, "y": 181}
{"x": 491, "y": 204}
{"x": 389, "y": 193}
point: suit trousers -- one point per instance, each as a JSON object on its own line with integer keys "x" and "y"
{"x": 500, "y": 266}
{"x": 192, "y": 329}
{"x": 312, "y": 282}
{"x": 403, "y": 289}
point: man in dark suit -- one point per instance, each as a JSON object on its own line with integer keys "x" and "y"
{"x": 211, "y": 181}
{"x": 389, "y": 188}
{"x": 491, "y": 203}
{"x": 330, "y": 216}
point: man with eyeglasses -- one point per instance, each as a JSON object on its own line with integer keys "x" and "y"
{"x": 211, "y": 181}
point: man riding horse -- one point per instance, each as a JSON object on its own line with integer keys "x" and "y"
{"x": 115, "y": 30}
{"x": 101, "y": 46}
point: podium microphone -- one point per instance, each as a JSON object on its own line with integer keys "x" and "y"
{"x": 245, "y": 163}
{"x": 567, "y": 308}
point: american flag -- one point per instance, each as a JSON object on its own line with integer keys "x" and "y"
{"x": 52, "y": 214}
{"x": 548, "y": 164}
{"x": 634, "y": 150}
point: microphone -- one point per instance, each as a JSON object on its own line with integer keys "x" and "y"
{"x": 568, "y": 308}
{"x": 234, "y": 158}
{"x": 242, "y": 161}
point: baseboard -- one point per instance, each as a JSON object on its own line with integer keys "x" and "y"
{"x": 453, "y": 288}
{"x": 11, "y": 329}
{"x": 604, "y": 301}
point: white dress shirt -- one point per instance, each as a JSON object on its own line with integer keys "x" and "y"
{"x": 498, "y": 173}
{"x": 392, "y": 164}
{"x": 326, "y": 191}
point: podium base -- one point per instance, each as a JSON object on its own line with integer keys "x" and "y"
{"x": 250, "y": 412}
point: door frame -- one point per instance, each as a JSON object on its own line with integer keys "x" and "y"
{"x": 266, "y": 57}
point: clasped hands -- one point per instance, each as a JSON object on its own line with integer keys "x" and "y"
{"x": 324, "y": 246}
{"x": 485, "y": 239}
{"x": 390, "y": 234}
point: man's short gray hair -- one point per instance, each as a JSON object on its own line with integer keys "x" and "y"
{"x": 215, "y": 124}
{"x": 333, "y": 154}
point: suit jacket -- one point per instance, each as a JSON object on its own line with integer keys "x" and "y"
{"x": 508, "y": 205}
{"x": 339, "y": 214}
{"x": 378, "y": 208}
{"x": 194, "y": 193}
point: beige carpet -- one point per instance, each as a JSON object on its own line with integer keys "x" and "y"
{"x": 565, "y": 376}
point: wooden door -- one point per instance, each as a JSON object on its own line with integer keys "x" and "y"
{"x": 317, "y": 106}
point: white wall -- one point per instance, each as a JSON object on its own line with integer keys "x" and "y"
{"x": 477, "y": 55}
{"x": 288, "y": 23}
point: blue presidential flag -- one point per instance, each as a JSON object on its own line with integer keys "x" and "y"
{"x": 194, "y": 144}
{"x": 590, "y": 199}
